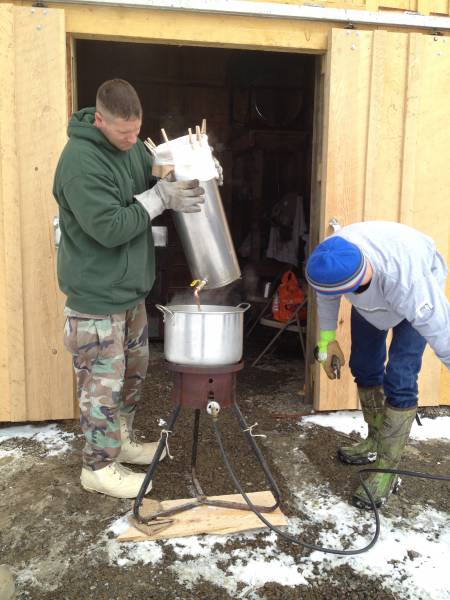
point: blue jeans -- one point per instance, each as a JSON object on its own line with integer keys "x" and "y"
{"x": 368, "y": 358}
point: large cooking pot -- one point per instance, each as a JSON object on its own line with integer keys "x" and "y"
{"x": 211, "y": 336}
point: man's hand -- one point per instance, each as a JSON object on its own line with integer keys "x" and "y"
{"x": 181, "y": 196}
{"x": 326, "y": 349}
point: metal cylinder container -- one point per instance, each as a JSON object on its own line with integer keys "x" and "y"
{"x": 207, "y": 241}
{"x": 211, "y": 336}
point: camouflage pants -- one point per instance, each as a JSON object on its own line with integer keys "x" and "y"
{"x": 110, "y": 359}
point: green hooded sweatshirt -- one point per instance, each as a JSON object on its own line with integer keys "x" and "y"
{"x": 106, "y": 255}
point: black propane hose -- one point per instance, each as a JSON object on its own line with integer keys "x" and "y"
{"x": 299, "y": 541}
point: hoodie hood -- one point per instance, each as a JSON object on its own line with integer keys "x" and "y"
{"x": 81, "y": 125}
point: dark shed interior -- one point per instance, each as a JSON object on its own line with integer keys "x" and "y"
{"x": 259, "y": 111}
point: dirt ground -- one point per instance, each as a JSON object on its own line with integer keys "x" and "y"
{"x": 55, "y": 536}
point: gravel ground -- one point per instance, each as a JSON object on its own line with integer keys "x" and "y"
{"x": 57, "y": 538}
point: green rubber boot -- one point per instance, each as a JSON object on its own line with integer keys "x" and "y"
{"x": 393, "y": 436}
{"x": 372, "y": 402}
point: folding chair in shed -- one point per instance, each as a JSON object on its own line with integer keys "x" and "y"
{"x": 293, "y": 324}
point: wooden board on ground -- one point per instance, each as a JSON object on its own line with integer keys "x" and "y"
{"x": 210, "y": 519}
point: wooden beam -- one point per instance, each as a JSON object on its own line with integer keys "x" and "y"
{"x": 167, "y": 27}
{"x": 347, "y": 86}
{"x": 12, "y": 357}
{"x": 444, "y": 392}
{"x": 312, "y": 368}
{"x": 384, "y": 157}
{"x": 374, "y": 124}
{"x": 431, "y": 175}
{"x": 40, "y": 134}
{"x": 411, "y": 111}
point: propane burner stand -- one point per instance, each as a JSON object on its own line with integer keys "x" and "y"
{"x": 208, "y": 388}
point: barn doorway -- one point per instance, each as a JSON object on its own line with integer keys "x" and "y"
{"x": 259, "y": 108}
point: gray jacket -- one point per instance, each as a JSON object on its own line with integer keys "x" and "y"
{"x": 408, "y": 283}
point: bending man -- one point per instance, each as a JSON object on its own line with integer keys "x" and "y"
{"x": 394, "y": 277}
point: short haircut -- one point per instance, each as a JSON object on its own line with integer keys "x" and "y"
{"x": 118, "y": 98}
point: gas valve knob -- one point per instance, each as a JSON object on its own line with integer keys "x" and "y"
{"x": 213, "y": 408}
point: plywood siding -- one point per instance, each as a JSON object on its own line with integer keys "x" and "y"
{"x": 386, "y": 156}
{"x": 35, "y": 370}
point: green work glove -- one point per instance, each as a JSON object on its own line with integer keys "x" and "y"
{"x": 327, "y": 348}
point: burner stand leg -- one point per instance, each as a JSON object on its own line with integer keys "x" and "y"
{"x": 200, "y": 498}
{"x": 259, "y": 455}
{"x": 155, "y": 462}
{"x": 198, "y": 488}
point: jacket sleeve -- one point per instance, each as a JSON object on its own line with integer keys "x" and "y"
{"x": 328, "y": 309}
{"x": 425, "y": 306}
{"x": 95, "y": 202}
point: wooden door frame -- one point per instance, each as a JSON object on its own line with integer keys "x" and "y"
{"x": 318, "y": 120}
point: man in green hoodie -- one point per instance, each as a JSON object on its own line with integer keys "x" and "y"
{"x": 107, "y": 199}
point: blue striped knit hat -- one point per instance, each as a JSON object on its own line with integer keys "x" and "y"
{"x": 336, "y": 266}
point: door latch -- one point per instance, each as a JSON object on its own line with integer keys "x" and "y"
{"x": 56, "y": 232}
{"x": 334, "y": 224}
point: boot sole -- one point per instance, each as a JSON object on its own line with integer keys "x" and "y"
{"x": 355, "y": 461}
{"x": 94, "y": 491}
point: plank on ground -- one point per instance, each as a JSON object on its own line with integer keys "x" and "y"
{"x": 210, "y": 519}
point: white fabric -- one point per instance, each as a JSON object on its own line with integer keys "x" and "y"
{"x": 190, "y": 161}
{"x": 287, "y": 251}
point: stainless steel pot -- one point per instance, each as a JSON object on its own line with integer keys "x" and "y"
{"x": 212, "y": 336}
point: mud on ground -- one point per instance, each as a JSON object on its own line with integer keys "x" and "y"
{"x": 56, "y": 539}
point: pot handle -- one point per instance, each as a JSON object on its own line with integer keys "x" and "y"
{"x": 165, "y": 311}
{"x": 244, "y": 305}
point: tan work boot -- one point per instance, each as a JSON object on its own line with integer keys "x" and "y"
{"x": 113, "y": 480}
{"x": 131, "y": 451}
{"x": 372, "y": 403}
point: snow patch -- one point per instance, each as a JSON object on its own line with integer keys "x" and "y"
{"x": 411, "y": 556}
{"x": 350, "y": 421}
{"x": 130, "y": 553}
{"x": 260, "y": 570}
{"x": 53, "y": 439}
{"x": 124, "y": 554}
{"x": 15, "y": 453}
{"x": 193, "y": 571}
{"x": 120, "y": 525}
{"x": 194, "y": 546}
